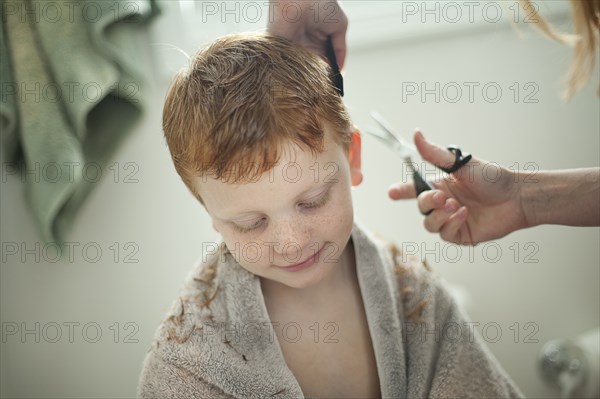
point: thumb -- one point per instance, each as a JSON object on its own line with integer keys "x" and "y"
{"x": 433, "y": 153}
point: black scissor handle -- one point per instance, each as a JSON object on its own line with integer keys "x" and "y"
{"x": 421, "y": 184}
{"x": 459, "y": 159}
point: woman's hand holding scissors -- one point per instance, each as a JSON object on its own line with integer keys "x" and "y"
{"x": 478, "y": 202}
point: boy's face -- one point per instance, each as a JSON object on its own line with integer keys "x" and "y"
{"x": 300, "y": 210}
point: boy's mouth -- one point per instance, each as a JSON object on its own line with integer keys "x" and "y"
{"x": 305, "y": 263}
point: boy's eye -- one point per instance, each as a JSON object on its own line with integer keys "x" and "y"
{"x": 316, "y": 203}
{"x": 246, "y": 229}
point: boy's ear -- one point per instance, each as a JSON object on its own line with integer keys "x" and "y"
{"x": 354, "y": 159}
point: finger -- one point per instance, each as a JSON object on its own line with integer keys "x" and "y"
{"x": 402, "y": 191}
{"x": 338, "y": 39}
{"x": 436, "y": 220}
{"x": 433, "y": 153}
{"x": 450, "y": 230}
{"x": 338, "y": 36}
{"x": 431, "y": 200}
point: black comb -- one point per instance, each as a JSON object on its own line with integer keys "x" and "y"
{"x": 336, "y": 76}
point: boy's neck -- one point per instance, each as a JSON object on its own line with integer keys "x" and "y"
{"x": 342, "y": 277}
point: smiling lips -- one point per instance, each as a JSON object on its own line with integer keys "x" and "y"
{"x": 304, "y": 264}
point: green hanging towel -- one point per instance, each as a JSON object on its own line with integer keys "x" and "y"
{"x": 72, "y": 88}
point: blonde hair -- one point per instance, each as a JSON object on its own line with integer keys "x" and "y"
{"x": 586, "y": 21}
{"x": 241, "y": 100}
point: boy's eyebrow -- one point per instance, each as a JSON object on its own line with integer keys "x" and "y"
{"x": 326, "y": 186}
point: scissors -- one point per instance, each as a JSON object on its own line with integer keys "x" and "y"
{"x": 405, "y": 150}
{"x": 398, "y": 144}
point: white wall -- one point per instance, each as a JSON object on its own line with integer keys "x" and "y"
{"x": 559, "y": 294}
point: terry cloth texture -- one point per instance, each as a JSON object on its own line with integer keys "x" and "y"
{"x": 72, "y": 87}
{"x": 403, "y": 300}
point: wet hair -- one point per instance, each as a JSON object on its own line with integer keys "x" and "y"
{"x": 231, "y": 112}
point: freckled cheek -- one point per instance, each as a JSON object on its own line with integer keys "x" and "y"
{"x": 336, "y": 219}
{"x": 345, "y": 215}
{"x": 250, "y": 253}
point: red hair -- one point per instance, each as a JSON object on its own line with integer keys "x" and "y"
{"x": 241, "y": 100}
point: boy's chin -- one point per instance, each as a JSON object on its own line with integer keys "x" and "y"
{"x": 289, "y": 282}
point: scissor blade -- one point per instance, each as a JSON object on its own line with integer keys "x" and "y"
{"x": 390, "y": 142}
{"x": 400, "y": 144}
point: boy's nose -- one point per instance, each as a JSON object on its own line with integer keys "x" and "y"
{"x": 292, "y": 237}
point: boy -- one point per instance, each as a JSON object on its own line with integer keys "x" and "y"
{"x": 298, "y": 301}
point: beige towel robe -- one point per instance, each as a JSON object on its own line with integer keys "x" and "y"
{"x": 423, "y": 344}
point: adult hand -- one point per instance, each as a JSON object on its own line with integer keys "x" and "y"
{"x": 481, "y": 201}
{"x": 309, "y": 23}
